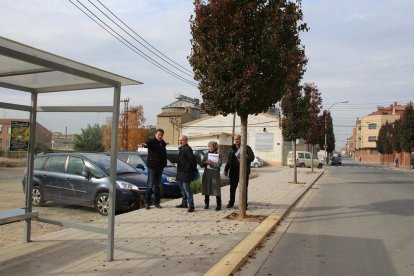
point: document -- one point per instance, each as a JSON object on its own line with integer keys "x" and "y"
{"x": 214, "y": 157}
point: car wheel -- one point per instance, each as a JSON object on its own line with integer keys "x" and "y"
{"x": 102, "y": 203}
{"x": 320, "y": 166}
{"x": 37, "y": 196}
{"x": 256, "y": 165}
{"x": 302, "y": 165}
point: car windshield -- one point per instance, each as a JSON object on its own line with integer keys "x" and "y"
{"x": 103, "y": 161}
{"x": 169, "y": 164}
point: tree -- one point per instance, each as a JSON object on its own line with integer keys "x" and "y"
{"x": 295, "y": 118}
{"x": 131, "y": 130}
{"x": 383, "y": 141}
{"x": 89, "y": 140}
{"x": 330, "y": 135}
{"x": 313, "y": 95}
{"x": 407, "y": 130}
{"x": 243, "y": 53}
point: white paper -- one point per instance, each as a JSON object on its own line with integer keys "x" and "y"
{"x": 214, "y": 157}
{"x": 237, "y": 153}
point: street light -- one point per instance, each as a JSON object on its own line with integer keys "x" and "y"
{"x": 325, "y": 146}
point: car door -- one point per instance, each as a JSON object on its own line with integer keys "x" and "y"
{"x": 53, "y": 177}
{"x": 76, "y": 184}
{"x": 308, "y": 159}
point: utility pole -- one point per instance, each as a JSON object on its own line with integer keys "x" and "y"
{"x": 124, "y": 144}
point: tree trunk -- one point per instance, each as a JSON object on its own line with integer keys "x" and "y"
{"x": 243, "y": 172}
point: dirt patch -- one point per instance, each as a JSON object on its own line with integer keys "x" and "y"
{"x": 250, "y": 218}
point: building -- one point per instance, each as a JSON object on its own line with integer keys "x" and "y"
{"x": 264, "y": 135}
{"x": 173, "y": 116}
{"x": 366, "y": 131}
{"x": 43, "y": 135}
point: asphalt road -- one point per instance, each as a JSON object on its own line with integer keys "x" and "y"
{"x": 358, "y": 219}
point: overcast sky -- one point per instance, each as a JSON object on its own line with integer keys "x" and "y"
{"x": 360, "y": 51}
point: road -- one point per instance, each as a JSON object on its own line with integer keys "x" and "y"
{"x": 357, "y": 219}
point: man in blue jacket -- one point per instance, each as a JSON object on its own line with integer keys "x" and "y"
{"x": 186, "y": 168}
{"x": 156, "y": 162}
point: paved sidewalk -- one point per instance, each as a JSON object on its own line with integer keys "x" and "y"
{"x": 168, "y": 241}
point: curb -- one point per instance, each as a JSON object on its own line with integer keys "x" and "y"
{"x": 232, "y": 261}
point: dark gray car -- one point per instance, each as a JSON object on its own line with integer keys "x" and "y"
{"x": 77, "y": 178}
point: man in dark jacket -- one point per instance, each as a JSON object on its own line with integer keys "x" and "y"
{"x": 233, "y": 166}
{"x": 186, "y": 167}
{"x": 156, "y": 162}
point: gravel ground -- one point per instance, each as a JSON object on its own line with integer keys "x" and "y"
{"x": 11, "y": 197}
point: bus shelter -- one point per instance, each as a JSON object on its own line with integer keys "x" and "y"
{"x": 34, "y": 71}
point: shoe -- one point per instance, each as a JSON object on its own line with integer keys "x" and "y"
{"x": 182, "y": 205}
{"x": 218, "y": 208}
{"x": 206, "y": 206}
{"x": 147, "y": 206}
{"x": 158, "y": 206}
{"x": 191, "y": 208}
{"x": 230, "y": 205}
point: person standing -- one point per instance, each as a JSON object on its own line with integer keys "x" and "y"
{"x": 232, "y": 168}
{"x": 186, "y": 167}
{"x": 156, "y": 162}
{"x": 211, "y": 183}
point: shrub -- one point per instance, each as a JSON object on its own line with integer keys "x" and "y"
{"x": 195, "y": 186}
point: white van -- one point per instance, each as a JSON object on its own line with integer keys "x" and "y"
{"x": 304, "y": 159}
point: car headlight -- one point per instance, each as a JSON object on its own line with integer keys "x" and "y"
{"x": 126, "y": 186}
{"x": 171, "y": 179}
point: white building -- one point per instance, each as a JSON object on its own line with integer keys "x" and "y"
{"x": 264, "y": 134}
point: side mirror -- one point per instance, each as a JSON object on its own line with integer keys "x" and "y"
{"x": 140, "y": 166}
{"x": 86, "y": 174}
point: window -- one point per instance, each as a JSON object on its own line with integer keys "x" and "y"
{"x": 372, "y": 138}
{"x": 1, "y": 128}
{"x": 56, "y": 164}
{"x": 307, "y": 156}
{"x": 264, "y": 142}
{"x": 372, "y": 126}
{"x": 373, "y": 152}
{"x": 135, "y": 160}
{"x": 75, "y": 165}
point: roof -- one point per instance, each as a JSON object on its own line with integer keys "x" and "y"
{"x": 389, "y": 110}
{"x": 25, "y": 68}
{"x": 171, "y": 114}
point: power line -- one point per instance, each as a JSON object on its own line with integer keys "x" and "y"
{"x": 143, "y": 38}
{"x": 123, "y": 40}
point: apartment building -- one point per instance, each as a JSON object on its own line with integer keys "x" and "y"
{"x": 366, "y": 131}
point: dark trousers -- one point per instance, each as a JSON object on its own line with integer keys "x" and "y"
{"x": 234, "y": 182}
{"x": 153, "y": 185}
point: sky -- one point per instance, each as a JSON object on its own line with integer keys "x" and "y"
{"x": 358, "y": 51}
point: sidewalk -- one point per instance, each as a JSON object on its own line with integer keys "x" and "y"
{"x": 168, "y": 241}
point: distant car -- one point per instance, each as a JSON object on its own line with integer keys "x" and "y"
{"x": 335, "y": 161}
{"x": 169, "y": 186}
{"x": 77, "y": 178}
{"x": 257, "y": 162}
{"x": 303, "y": 159}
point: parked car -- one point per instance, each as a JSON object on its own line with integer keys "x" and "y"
{"x": 169, "y": 186}
{"x": 336, "y": 160}
{"x": 78, "y": 178}
{"x": 303, "y": 159}
{"x": 199, "y": 152}
{"x": 257, "y": 162}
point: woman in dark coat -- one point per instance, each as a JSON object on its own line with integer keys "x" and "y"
{"x": 211, "y": 184}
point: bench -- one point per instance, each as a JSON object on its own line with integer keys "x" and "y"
{"x": 14, "y": 215}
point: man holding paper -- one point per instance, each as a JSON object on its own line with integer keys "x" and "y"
{"x": 232, "y": 168}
